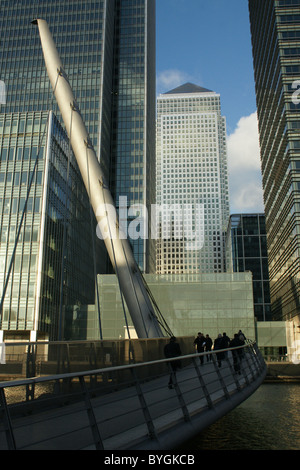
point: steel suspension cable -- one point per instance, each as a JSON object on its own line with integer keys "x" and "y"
{"x": 116, "y": 266}
{"x": 93, "y": 247}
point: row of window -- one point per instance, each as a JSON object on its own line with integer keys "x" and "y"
{"x": 17, "y": 177}
{"x": 20, "y": 154}
{"x": 14, "y": 126}
{"x": 23, "y": 264}
{"x": 55, "y": 6}
{"x": 291, "y": 35}
{"x": 284, "y": 3}
{"x": 29, "y": 233}
{"x": 16, "y": 205}
{"x": 293, "y": 18}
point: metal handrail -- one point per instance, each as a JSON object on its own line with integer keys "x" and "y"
{"x": 72, "y": 375}
{"x": 22, "y": 358}
{"x": 195, "y": 387}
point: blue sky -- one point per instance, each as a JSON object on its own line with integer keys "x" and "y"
{"x": 208, "y": 42}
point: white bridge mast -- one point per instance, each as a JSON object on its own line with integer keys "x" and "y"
{"x": 119, "y": 250}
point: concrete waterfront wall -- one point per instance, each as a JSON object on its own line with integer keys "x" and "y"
{"x": 284, "y": 371}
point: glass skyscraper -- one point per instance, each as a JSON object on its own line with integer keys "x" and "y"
{"x": 248, "y": 247}
{"x": 52, "y": 272}
{"x": 108, "y": 52}
{"x": 275, "y": 30}
{"x": 192, "y": 178}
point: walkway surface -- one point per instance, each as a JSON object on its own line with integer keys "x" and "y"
{"x": 147, "y": 416}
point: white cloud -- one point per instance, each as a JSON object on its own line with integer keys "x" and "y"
{"x": 245, "y": 180}
{"x": 169, "y": 79}
{"x": 243, "y": 144}
{"x": 247, "y": 196}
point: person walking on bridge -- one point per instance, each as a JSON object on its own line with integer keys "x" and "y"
{"x": 208, "y": 346}
{"x": 200, "y": 344}
{"x": 172, "y": 349}
{"x": 226, "y": 341}
{"x": 219, "y": 344}
{"x": 237, "y": 354}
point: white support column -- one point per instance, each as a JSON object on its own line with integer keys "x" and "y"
{"x": 118, "y": 248}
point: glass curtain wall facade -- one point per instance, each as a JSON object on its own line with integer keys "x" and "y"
{"x": 133, "y": 115}
{"x": 192, "y": 174}
{"x": 211, "y": 303}
{"x": 78, "y": 29}
{"x": 249, "y": 253}
{"x": 108, "y": 51}
{"x": 275, "y": 30}
{"x": 51, "y": 273}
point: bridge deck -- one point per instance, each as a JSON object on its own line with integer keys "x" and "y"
{"x": 144, "y": 414}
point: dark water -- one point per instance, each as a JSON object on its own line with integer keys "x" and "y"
{"x": 268, "y": 420}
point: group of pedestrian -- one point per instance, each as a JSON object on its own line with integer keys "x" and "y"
{"x": 221, "y": 343}
{"x": 205, "y": 344}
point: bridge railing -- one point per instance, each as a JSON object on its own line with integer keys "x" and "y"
{"x": 30, "y": 359}
{"x": 118, "y": 406}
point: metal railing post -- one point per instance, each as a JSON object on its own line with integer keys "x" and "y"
{"x": 226, "y": 393}
{"x": 183, "y": 406}
{"x": 91, "y": 416}
{"x": 7, "y": 422}
{"x": 243, "y": 369}
{"x": 245, "y": 357}
{"x": 145, "y": 409}
{"x": 258, "y": 357}
{"x": 233, "y": 373}
{"x": 203, "y": 385}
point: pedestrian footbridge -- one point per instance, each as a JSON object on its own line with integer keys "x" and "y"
{"x": 124, "y": 407}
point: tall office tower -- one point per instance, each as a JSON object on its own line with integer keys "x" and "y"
{"x": 192, "y": 181}
{"x": 51, "y": 274}
{"x": 275, "y": 29}
{"x": 248, "y": 247}
{"x": 108, "y": 51}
